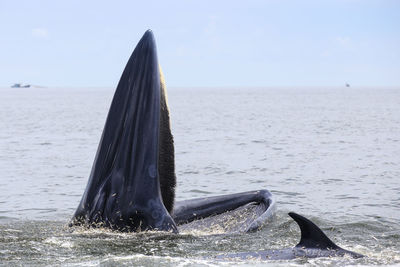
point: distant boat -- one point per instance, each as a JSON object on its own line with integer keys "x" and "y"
{"x": 18, "y": 85}
{"x": 347, "y": 85}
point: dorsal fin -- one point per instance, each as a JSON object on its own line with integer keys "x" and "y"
{"x": 311, "y": 235}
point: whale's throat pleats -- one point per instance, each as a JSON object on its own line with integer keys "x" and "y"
{"x": 166, "y": 156}
{"x": 132, "y": 183}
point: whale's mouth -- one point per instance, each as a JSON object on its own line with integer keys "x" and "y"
{"x": 132, "y": 182}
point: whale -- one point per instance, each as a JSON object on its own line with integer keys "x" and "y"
{"x": 313, "y": 244}
{"x": 132, "y": 183}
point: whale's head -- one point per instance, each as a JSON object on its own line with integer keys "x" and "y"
{"x": 132, "y": 182}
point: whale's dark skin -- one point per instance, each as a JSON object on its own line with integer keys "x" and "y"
{"x": 131, "y": 186}
{"x": 132, "y": 183}
{"x": 313, "y": 244}
{"x": 199, "y": 208}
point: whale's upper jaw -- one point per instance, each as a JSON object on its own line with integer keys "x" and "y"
{"x": 123, "y": 191}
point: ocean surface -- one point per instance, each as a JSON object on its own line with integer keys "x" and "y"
{"x": 331, "y": 154}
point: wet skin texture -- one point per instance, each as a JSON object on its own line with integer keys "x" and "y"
{"x": 132, "y": 183}
{"x": 123, "y": 192}
{"x": 313, "y": 243}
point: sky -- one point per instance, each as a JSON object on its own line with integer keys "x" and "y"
{"x": 203, "y": 43}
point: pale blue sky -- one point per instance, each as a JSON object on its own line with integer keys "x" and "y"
{"x": 203, "y": 43}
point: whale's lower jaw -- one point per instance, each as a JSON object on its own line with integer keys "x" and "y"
{"x": 132, "y": 183}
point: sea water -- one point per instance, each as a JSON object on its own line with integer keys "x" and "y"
{"x": 331, "y": 154}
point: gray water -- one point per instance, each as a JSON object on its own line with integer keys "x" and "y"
{"x": 332, "y": 154}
